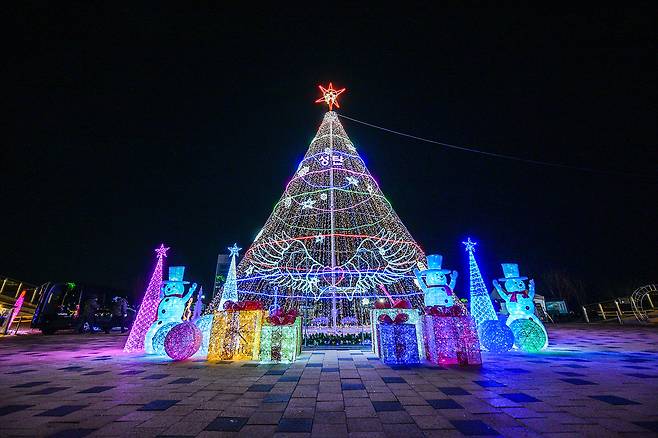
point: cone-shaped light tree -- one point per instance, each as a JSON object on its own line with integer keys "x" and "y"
{"x": 332, "y": 238}
{"x": 481, "y": 307}
{"x": 148, "y": 310}
{"x": 230, "y": 289}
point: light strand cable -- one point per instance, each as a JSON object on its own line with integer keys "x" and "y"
{"x": 496, "y": 155}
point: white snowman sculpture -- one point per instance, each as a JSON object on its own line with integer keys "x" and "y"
{"x": 434, "y": 282}
{"x": 173, "y": 300}
{"x": 518, "y": 298}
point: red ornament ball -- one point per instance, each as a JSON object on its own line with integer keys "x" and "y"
{"x": 183, "y": 341}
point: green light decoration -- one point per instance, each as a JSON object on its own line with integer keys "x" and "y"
{"x": 280, "y": 343}
{"x": 158, "y": 341}
{"x": 528, "y": 335}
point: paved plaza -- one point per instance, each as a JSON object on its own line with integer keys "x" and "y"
{"x": 592, "y": 381}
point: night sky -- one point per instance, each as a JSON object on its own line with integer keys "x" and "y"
{"x": 128, "y": 127}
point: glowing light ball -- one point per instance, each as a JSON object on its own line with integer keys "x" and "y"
{"x": 495, "y": 337}
{"x": 205, "y": 324}
{"x": 183, "y": 341}
{"x": 159, "y": 338}
{"x": 528, "y": 335}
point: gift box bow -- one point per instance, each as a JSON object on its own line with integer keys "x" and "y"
{"x": 243, "y": 305}
{"x": 400, "y": 318}
{"x": 398, "y": 304}
{"x": 281, "y": 317}
{"x": 445, "y": 311}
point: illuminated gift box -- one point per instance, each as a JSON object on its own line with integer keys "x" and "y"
{"x": 280, "y": 343}
{"x": 398, "y": 343}
{"x": 414, "y": 318}
{"x": 451, "y": 340}
{"x": 235, "y": 335}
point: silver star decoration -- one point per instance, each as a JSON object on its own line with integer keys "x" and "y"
{"x": 234, "y": 250}
{"x": 319, "y": 238}
{"x": 470, "y": 245}
{"x": 308, "y": 203}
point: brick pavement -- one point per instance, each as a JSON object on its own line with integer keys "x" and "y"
{"x": 593, "y": 381}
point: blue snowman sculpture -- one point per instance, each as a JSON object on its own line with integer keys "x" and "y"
{"x": 434, "y": 282}
{"x": 173, "y": 300}
{"x": 518, "y": 298}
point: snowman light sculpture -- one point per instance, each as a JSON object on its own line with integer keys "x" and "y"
{"x": 518, "y": 298}
{"x": 173, "y": 300}
{"x": 434, "y": 282}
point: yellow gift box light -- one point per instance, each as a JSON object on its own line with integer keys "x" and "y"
{"x": 235, "y": 335}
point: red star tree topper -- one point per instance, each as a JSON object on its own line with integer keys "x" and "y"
{"x": 330, "y": 96}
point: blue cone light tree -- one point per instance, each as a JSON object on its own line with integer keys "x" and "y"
{"x": 481, "y": 307}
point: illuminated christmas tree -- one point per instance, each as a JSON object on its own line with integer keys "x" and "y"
{"x": 332, "y": 237}
{"x": 148, "y": 310}
{"x": 481, "y": 306}
{"x": 230, "y": 289}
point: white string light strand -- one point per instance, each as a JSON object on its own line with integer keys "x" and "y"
{"x": 496, "y": 155}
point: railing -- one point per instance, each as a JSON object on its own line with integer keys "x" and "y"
{"x": 17, "y": 323}
{"x": 636, "y": 307}
{"x": 609, "y": 311}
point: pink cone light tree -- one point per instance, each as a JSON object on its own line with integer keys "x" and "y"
{"x": 149, "y": 308}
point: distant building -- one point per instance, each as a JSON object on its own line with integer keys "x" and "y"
{"x": 223, "y": 262}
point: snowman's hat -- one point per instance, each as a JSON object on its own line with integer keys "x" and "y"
{"x": 434, "y": 263}
{"x": 511, "y": 272}
{"x": 176, "y": 274}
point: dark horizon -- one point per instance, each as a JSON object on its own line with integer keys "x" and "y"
{"x": 132, "y": 127}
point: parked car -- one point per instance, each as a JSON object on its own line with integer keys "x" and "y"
{"x": 60, "y": 308}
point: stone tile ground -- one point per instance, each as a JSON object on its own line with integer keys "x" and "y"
{"x": 592, "y": 381}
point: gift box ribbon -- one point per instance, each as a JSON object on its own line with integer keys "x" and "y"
{"x": 281, "y": 317}
{"x": 444, "y": 311}
{"x": 243, "y": 305}
{"x": 400, "y": 318}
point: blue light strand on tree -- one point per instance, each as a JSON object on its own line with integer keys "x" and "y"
{"x": 230, "y": 291}
{"x": 481, "y": 307}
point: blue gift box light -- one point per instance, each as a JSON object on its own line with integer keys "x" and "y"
{"x": 399, "y": 344}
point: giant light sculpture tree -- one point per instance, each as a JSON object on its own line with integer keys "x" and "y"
{"x": 333, "y": 238}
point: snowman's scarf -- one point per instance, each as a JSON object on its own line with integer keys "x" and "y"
{"x": 513, "y": 295}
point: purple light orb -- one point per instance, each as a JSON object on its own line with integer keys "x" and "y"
{"x": 183, "y": 341}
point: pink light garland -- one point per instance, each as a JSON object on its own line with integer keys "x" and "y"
{"x": 148, "y": 310}
{"x": 17, "y": 308}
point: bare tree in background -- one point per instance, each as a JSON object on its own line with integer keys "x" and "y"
{"x": 561, "y": 285}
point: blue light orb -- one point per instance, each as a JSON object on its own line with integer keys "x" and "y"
{"x": 495, "y": 337}
{"x": 528, "y": 335}
{"x": 205, "y": 324}
{"x": 159, "y": 338}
